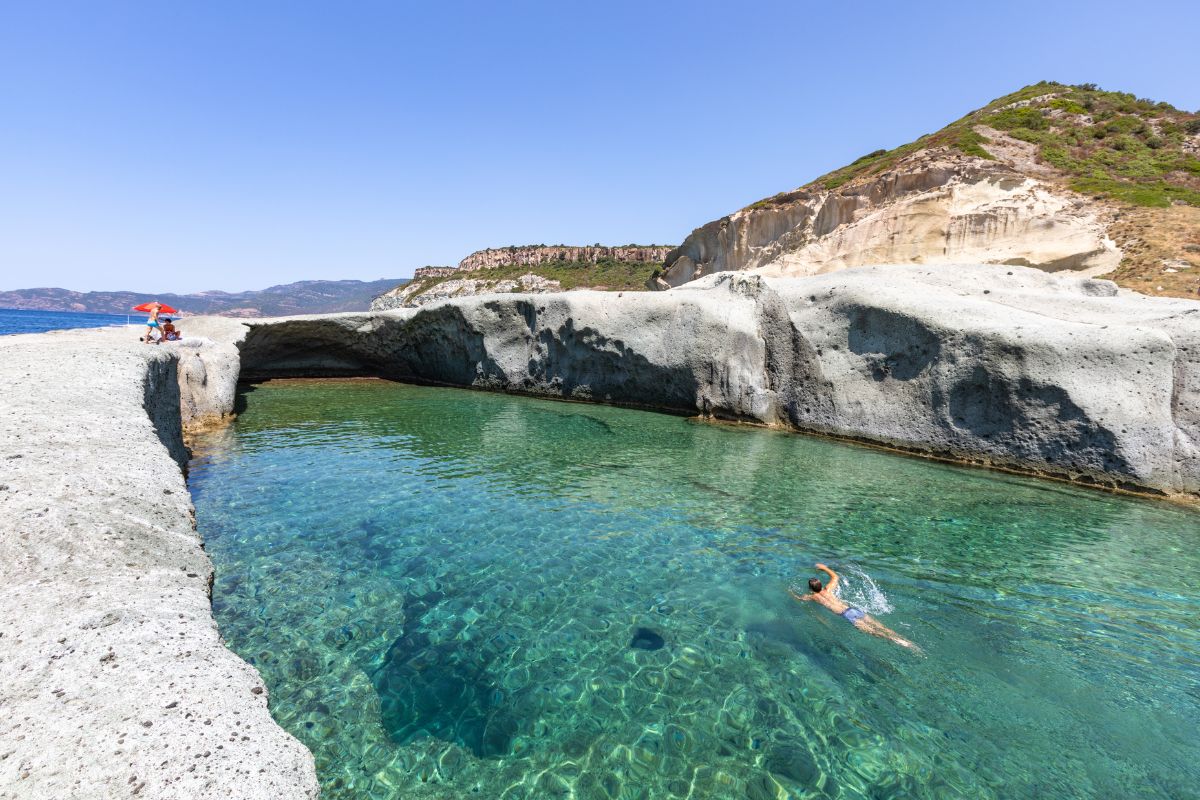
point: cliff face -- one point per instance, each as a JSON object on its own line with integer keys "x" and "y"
{"x": 535, "y": 269}
{"x": 935, "y": 207}
{"x": 1050, "y": 374}
{"x": 433, "y": 272}
{"x": 1055, "y": 177}
{"x": 533, "y": 255}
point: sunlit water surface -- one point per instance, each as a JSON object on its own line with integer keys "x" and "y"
{"x": 22, "y": 321}
{"x": 442, "y": 589}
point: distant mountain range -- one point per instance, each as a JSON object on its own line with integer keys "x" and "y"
{"x": 302, "y": 297}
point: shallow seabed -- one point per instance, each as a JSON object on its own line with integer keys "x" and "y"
{"x": 442, "y": 589}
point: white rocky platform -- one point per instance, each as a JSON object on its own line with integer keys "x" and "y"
{"x": 114, "y": 681}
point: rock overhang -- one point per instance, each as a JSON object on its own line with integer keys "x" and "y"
{"x": 1054, "y": 374}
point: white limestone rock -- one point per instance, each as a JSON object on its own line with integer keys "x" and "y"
{"x": 1007, "y": 366}
{"x": 114, "y": 681}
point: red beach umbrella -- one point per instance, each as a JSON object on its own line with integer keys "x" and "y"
{"x": 163, "y": 308}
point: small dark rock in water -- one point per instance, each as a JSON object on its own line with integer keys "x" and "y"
{"x": 646, "y": 639}
{"x": 794, "y": 762}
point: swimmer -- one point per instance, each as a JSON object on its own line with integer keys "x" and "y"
{"x": 825, "y": 595}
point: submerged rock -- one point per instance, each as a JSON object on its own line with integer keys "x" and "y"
{"x": 448, "y": 690}
{"x": 646, "y": 639}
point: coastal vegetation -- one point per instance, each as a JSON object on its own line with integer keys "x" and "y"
{"x": 1124, "y": 172}
{"x": 531, "y": 268}
{"x": 605, "y": 273}
{"x": 1110, "y": 144}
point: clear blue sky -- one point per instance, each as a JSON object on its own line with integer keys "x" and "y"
{"x": 183, "y": 146}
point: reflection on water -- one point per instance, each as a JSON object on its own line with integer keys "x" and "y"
{"x": 453, "y": 593}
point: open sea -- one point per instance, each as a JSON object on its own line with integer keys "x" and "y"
{"x": 16, "y": 321}
{"x": 459, "y": 594}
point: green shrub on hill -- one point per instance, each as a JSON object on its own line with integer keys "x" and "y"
{"x": 1069, "y": 106}
{"x": 606, "y": 273}
{"x": 1011, "y": 119}
{"x": 1109, "y": 144}
{"x": 971, "y": 142}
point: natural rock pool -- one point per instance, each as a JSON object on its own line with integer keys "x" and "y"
{"x": 460, "y": 594}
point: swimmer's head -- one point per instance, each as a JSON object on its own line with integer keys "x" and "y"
{"x": 814, "y": 585}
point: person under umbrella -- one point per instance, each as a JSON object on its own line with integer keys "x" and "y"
{"x": 153, "y": 308}
{"x": 169, "y": 332}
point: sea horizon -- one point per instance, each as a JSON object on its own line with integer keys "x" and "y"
{"x": 23, "y": 320}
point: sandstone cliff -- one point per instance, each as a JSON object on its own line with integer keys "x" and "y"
{"x": 534, "y": 255}
{"x": 934, "y": 207}
{"x": 433, "y": 272}
{"x": 1056, "y": 177}
{"x": 535, "y": 269}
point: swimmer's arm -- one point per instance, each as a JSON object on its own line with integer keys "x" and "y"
{"x": 800, "y": 597}
{"x": 833, "y": 576}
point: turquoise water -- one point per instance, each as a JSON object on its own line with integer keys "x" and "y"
{"x": 442, "y": 589}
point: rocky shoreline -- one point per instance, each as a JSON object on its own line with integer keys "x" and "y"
{"x": 1008, "y": 367}
{"x": 115, "y": 680}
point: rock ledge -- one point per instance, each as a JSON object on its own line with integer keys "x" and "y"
{"x": 114, "y": 680}
{"x": 1012, "y": 367}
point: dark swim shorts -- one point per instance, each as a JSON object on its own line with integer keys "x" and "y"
{"x": 853, "y": 614}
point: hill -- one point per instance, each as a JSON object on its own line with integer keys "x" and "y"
{"x": 302, "y": 297}
{"x": 531, "y": 268}
{"x": 1053, "y": 176}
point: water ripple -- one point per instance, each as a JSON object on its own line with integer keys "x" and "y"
{"x": 462, "y": 594}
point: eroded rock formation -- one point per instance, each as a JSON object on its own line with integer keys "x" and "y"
{"x": 533, "y": 255}
{"x": 496, "y": 270}
{"x": 103, "y": 581}
{"x": 1005, "y": 366}
{"x": 934, "y": 207}
{"x": 418, "y": 292}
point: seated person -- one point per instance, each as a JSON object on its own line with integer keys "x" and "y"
{"x": 169, "y": 332}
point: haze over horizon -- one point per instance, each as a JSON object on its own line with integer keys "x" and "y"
{"x": 173, "y": 148}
